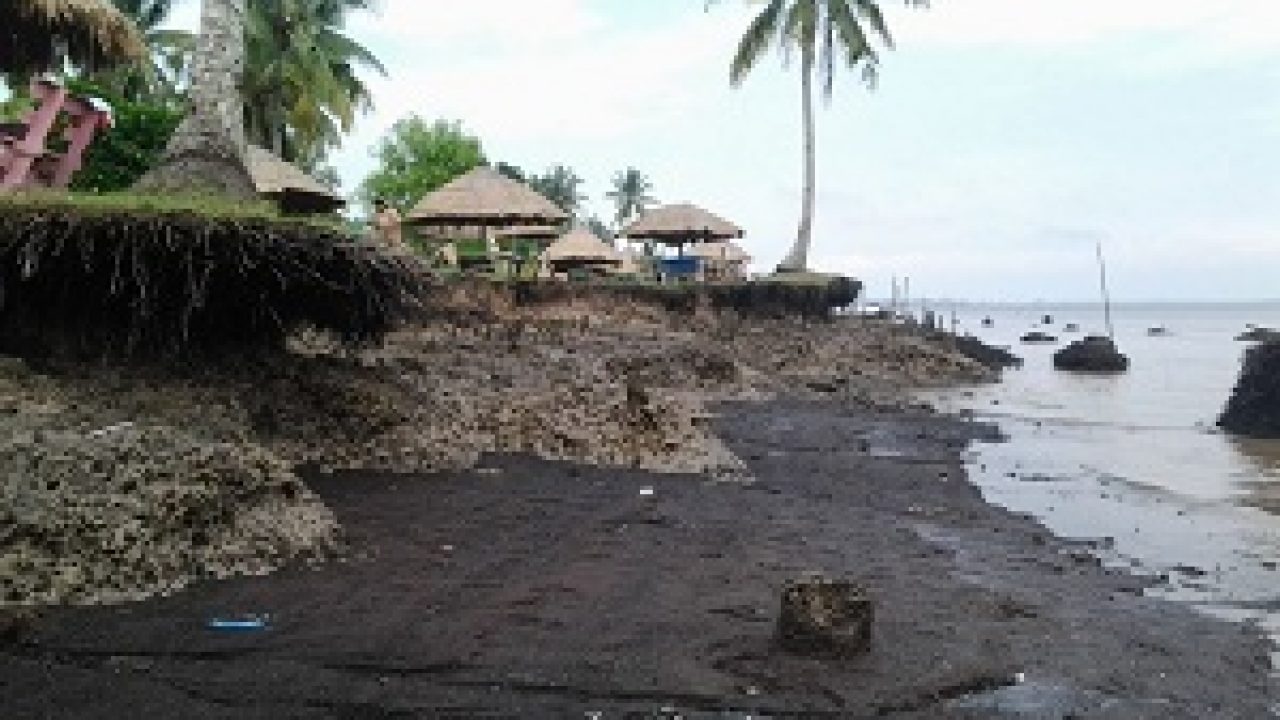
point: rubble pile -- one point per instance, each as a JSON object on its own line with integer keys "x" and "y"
{"x": 130, "y": 511}
{"x": 118, "y": 482}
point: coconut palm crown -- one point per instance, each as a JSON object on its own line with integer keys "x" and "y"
{"x": 828, "y": 35}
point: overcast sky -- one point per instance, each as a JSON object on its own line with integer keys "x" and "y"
{"x": 1005, "y": 139}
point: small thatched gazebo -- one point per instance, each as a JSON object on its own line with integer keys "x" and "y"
{"x": 483, "y": 198}
{"x": 680, "y": 225}
{"x": 37, "y": 35}
{"x": 486, "y": 198}
{"x": 291, "y": 189}
{"x": 581, "y": 249}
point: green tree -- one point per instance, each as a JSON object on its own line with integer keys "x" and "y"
{"x": 162, "y": 77}
{"x": 827, "y": 35}
{"x": 562, "y": 186}
{"x": 630, "y": 194}
{"x": 417, "y": 157}
{"x": 119, "y": 157}
{"x": 302, "y": 90}
{"x": 511, "y": 171}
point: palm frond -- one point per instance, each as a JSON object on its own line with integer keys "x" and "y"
{"x": 760, "y": 35}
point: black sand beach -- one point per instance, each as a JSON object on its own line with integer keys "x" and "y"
{"x": 537, "y": 589}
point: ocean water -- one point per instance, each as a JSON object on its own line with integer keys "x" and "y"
{"x": 1134, "y": 461}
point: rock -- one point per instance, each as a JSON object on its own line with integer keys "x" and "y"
{"x": 1092, "y": 354}
{"x": 822, "y": 616}
{"x": 1259, "y": 334}
{"x": 1254, "y": 407}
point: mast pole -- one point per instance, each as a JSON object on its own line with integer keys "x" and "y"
{"x": 1106, "y": 296}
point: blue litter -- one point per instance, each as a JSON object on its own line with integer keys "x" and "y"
{"x": 249, "y": 624}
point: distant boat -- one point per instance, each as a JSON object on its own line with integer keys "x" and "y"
{"x": 1071, "y": 328}
{"x": 988, "y": 322}
{"x": 1158, "y": 331}
{"x": 1035, "y": 336}
{"x": 1046, "y": 320}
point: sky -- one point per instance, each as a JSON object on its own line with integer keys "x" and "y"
{"x": 1005, "y": 139}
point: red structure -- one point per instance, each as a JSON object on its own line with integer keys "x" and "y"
{"x": 26, "y": 161}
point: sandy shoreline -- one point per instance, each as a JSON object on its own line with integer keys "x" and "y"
{"x": 530, "y": 588}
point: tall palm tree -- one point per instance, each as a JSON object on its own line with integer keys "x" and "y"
{"x": 301, "y": 87}
{"x": 827, "y": 34}
{"x": 207, "y": 152}
{"x": 630, "y": 194}
{"x": 161, "y": 77}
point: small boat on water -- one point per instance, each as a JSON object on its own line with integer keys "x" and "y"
{"x": 1046, "y": 320}
{"x": 1036, "y": 336}
{"x": 1158, "y": 331}
{"x": 988, "y": 322}
{"x": 1071, "y": 328}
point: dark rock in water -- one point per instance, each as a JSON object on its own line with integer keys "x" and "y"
{"x": 1071, "y": 328}
{"x": 1254, "y": 408}
{"x": 1046, "y": 320}
{"x": 1259, "y": 334}
{"x": 996, "y": 358}
{"x": 1158, "y": 331}
{"x": 1035, "y": 336}
{"x": 1092, "y": 354}
{"x": 822, "y": 616}
{"x": 988, "y": 322}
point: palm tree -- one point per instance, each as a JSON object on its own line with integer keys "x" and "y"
{"x": 827, "y": 34}
{"x": 630, "y": 194}
{"x": 560, "y": 184}
{"x": 301, "y": 87}
{"x": 160, "y": 78}
{"x": 207, "y": 152}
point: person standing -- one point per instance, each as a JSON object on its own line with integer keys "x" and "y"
{"x": 387, "y": 222}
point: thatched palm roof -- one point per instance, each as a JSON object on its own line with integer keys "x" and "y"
{"x": 582, "y": 246}
{"x": 37, "y": 35}
{"x": 273, "y": 177}
{"x": 722, "y": 251}
{"x": 488, "y": 198}
{"x": 681, "y": 224}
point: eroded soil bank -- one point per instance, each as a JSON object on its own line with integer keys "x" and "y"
{"x": 533, "y": 588}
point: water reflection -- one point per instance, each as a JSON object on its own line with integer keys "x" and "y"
{"x": 1261, "y": 485}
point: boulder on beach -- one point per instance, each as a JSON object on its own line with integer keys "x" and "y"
{"x": 1254, "y": 407}
{"x": 824, "y": 616}
{"x": 1095, "y": 353}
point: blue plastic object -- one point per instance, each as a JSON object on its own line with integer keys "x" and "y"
{"x": 241, "y": 625}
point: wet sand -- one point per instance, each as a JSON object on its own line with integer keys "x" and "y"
{"x": 536, "y": 589}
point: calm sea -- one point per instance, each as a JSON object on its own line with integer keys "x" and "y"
{"x": 1134, "y": 460}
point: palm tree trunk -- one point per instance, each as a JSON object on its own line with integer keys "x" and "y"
{"x": 207, "y": 152}
{"x": 798, "y": 259}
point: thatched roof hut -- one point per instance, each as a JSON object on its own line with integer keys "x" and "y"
{"x": 37, "y": 35}
{"x": 581, "y": 247}
{"x": 287, "y": 185}
{"x": 486, "y": 198}
{"x": 680, "y": 224}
